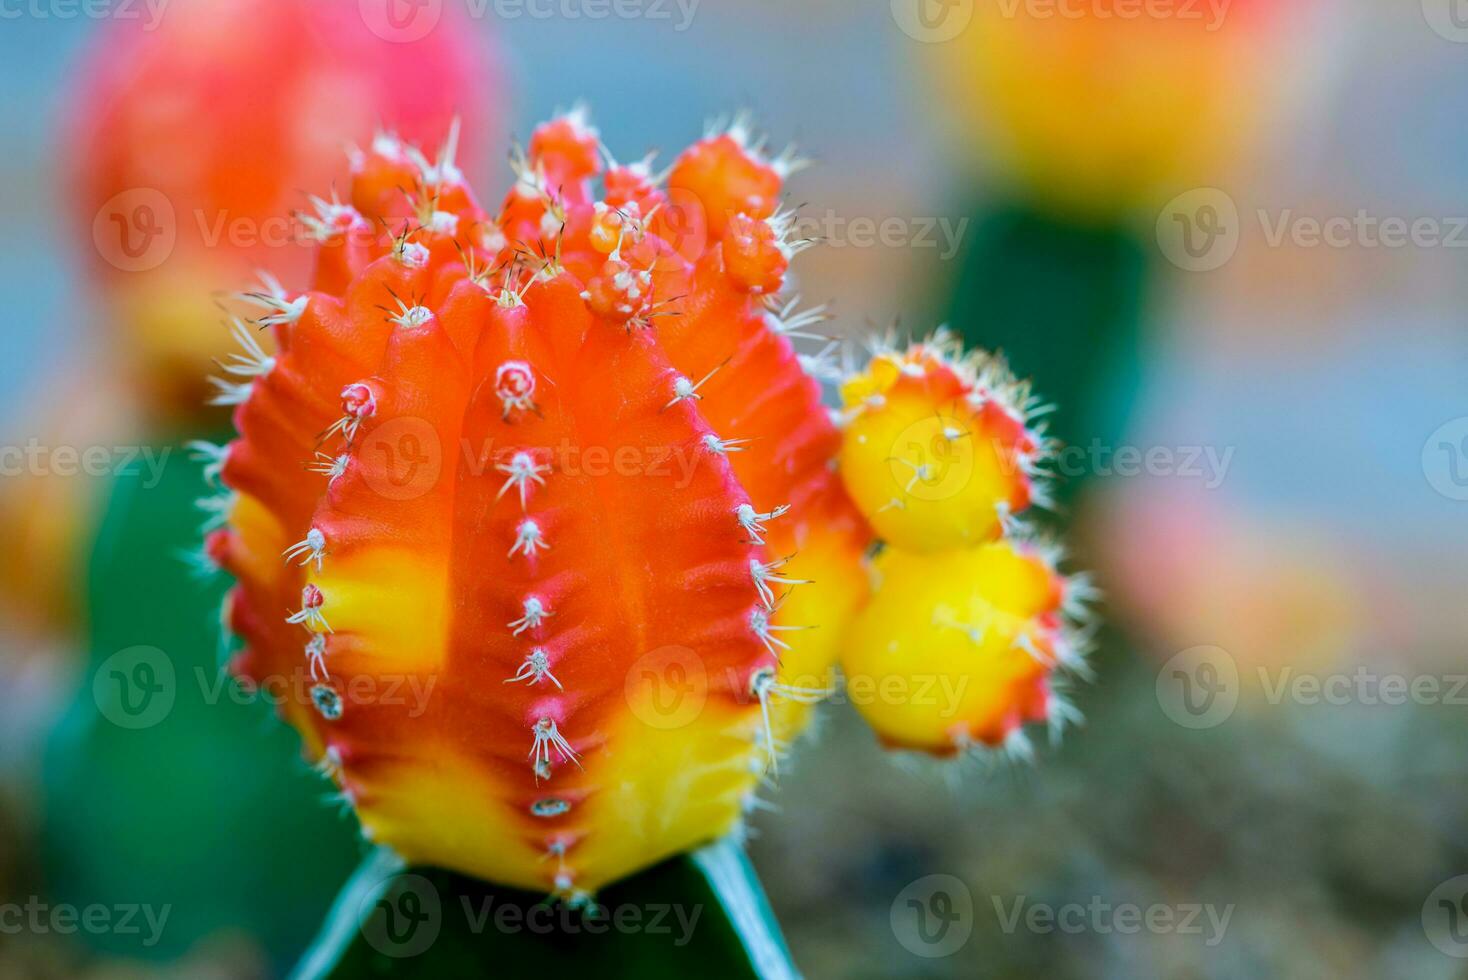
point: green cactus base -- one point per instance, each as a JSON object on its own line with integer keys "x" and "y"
{"x": 164, "y": 787}
{"x": 702, "y": 913}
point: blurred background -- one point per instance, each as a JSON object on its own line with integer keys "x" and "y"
{"x": 1225, "y": 237}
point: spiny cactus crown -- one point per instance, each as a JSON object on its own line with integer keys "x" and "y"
{"x": 563, "y": 473}
{"x": 562, "y": 470}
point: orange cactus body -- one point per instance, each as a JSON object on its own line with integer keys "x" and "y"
{"x": 566, "y": 494}
{"x": 188, "y": 159}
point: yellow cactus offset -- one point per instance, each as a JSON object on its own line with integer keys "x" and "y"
{"x": 961, "y": 649}
{"x": 938, "y": 451}
{"x": 971, "y": 627}
{"x": 538, "y": 514}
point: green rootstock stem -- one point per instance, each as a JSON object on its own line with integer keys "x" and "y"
{"x": 1064, "y": 302}
{"x": 166, "y": 788}
{"x": 702, "y": 913}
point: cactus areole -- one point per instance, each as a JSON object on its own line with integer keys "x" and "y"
{"x": 534, "y": 519}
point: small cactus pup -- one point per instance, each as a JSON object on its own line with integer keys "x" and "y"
{"x": 539, "y": 511}
{"x": 971, "y": 628}
{"x": 938, "y": 450}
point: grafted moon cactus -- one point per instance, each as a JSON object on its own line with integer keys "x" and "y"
{"x": 942, "y": 455}
{"x": 562, "y": 473}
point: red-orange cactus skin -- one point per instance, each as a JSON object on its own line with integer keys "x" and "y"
{"x": 186, "y": 158}
{"x": 566, "y": 484}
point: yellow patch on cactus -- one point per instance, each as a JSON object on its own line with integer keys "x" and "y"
{"x": 831, "y": 591}
{"x": 451, "y": 807}
{"x": 702, "y": 792}
{"x": 396, "y": 597}
{"x": 258, "y": 526}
